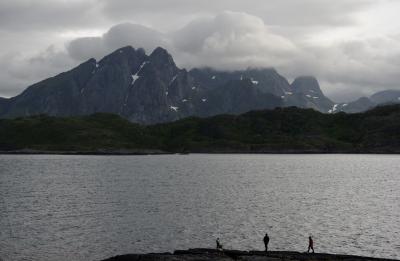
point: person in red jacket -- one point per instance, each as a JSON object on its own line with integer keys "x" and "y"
{"x": 310, "y": 245}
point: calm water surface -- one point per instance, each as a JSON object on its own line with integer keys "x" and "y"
{"x": 93, "y": 207}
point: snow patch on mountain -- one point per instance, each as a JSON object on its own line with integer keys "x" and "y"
{"x": 136, "y": 75}
{"x": 134, "y": 78}
{"x": 174, "y": 108}
{"x": 334, "y": 108}
{"x": 254, "y": 81}
{"x": 173, "y": 79}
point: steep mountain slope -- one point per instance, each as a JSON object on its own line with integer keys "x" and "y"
{"x": 306, "y": 93}
{"x": 364, "y": 103}
{"x": 359, "y": 105}
{"x": 239, "y": 96}
{"x": 3, "y": 104}
{"x": 389, "y": 96}
{"x": 266, "y": 80}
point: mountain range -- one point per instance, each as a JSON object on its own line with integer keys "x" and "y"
{"x": 151, "y": 89}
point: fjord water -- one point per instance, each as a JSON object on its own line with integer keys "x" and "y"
{"x": 93, "y": 207}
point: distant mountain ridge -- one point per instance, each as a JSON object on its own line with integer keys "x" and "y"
{"x": 365, "y": 103}
{"x": 151, "y": 89}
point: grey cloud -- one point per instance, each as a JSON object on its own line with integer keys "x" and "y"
{"x": 86, "y": 47}
{"x": 230, "y": 40}
{"x": 273, "y": 12}
{"x": 25, "y": 15}
{"x": 118, "y": 36}
{"x": 366, "y": 62}
{"x": 18, "y": 71}
{"x": 351, "y": 68}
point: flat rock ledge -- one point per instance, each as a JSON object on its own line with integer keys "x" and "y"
{"x": 200, "y": 254}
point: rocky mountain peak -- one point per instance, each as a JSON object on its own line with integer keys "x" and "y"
{"x": 125, "y": 55}
{"x": 307, "y": 85}
{"x": 160, "y": 56}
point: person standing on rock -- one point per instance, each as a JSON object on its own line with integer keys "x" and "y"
{"x": 310, "y": 244}
{"x": 219, "y": 246}
{"x": 266, "y": 241}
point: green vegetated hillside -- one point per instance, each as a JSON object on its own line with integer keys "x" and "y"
{"x": 272, "y": 131}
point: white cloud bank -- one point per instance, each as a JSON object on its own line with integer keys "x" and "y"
{"x": 231, "y": 40}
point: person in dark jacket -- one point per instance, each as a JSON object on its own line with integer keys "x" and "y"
{"x": 266, "y": 241}
{"x": 310, "y": 244}
{"x": 219, "y": 246}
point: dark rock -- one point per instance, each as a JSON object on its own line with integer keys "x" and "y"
{"x": 306, "y": 93}
{"x": 3, "y": 104}
{"x": 360, "y": 105}
{"x": 363, "y": 104}
{"x": 384, "y": 97}
{"x": 266, "y": 80}
{"x": 211, "y": 254}
{"x": 237, "y": 97}
{"x": 307, "y": 85}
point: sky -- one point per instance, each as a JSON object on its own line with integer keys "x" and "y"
{"x": 351, "y": 46}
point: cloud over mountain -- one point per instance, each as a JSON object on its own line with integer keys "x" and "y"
{"x": 342, "y": 43}
{"x": 236, "y": 40}
{"x": 231, "y": 40}
{"x": 117, "y": 36}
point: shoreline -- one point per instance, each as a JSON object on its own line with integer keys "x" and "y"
{"x": 123, "y": 152}
{"x": 88, "y": 153}
{"x": 200, "y": 254}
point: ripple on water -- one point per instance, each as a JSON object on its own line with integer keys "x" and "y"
{"x": 92, "y": 207}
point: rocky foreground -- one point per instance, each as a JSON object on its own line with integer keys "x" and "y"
{"x": 227, "y": 255}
